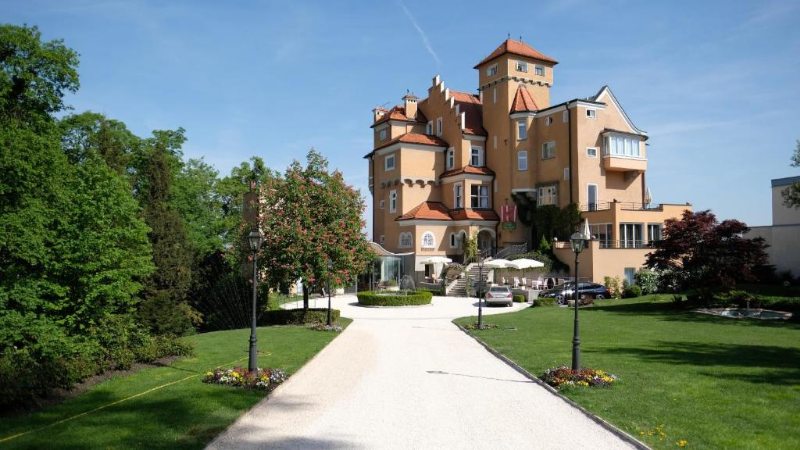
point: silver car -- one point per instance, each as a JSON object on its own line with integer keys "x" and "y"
{"x": 499, "y": 294}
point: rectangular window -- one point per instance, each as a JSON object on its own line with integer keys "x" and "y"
{"x": 388, "y": 163}
{"x": 458, "y": 196}
{"x": 406, "y": 239}
{"x": 618, "y": 145}
{"x": 451, "y": 158}
{"x": 565, "y": 116}
{"x": 591, "y": 114}
{"x": 522, "y": 130}
{"x": 591, "y": 152}
{"x": 522, "y": 66}
{"x": 491, "y": 70}
{"x": 476, "y": 159}
{"x": 548, "y": 195}
{"x": 494, "y": 95}
{"x": 548, "y": 120}
{"x": 382, "y": 239}
{"x": 630, "y": 235}
{"x": 429, "y": 128}
{"x": 382, "y": 204}
{"x": 630, "y": 275}
{"x": 383, "y": 134}
{"x": 522, "y": 160}
{"x": 591, "y": 195}
{"x": 439, "y": 126}
{"x": 393, "y": 201}
{"x": 653, "y": 232}
{"x": 602, "y": 232}
{"x": 566, "y": 173}
{"x": 549, "y": 150}
{"x": 540, "y": 71}
{"x": 495, "y": 141}
{"x": 479, "y": 196}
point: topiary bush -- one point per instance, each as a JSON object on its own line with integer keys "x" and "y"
{"x": 519, "y": 298}
{"x": 632, "y": 291}
{"x": 297, "y": 316}
{"x": 370, "y": 298}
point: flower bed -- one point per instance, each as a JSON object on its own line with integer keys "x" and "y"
{"x": 560, "y": 377}
{"x": 265, "y": 379}
{"x": 369, "y": 298}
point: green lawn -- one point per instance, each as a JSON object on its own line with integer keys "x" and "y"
{"x": 715, "y": 382}
{"x": 187, "y": 414}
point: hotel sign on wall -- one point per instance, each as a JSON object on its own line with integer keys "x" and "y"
{"x": 508, "y": 217}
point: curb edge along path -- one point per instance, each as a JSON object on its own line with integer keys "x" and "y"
{"x": 409, "y": 378}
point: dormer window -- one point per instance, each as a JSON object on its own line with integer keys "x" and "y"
{"x": 522, "y": 66}
{"x": 591, "y": 113}
{"x": 477, "y": 157}
{"x": 491, "y": 70}
{"x": 539, "y": 71}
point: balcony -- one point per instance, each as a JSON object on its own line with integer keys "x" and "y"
{"x": 619, "y": 163}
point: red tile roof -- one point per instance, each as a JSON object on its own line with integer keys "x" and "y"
{"x": 523, "y": 101}
{"x": 471, "y": 105}
{"x": 399, "y": 113}
{"x": 474, "y": 214}
{"x": 468, "y": 169}
{"x": 427, "y": 210}
{"x": 437, "y": 211}
{"x": 415, "y": 138}
{"x": 517, "y": 48}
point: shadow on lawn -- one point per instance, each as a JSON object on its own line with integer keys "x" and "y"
{"x": 671, "y": 312}
{"x": 780, "y": 362}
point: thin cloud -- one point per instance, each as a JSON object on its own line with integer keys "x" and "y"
{"x": 422, "y": 34}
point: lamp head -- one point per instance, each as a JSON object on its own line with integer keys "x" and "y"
{"x": 255, "y": 239}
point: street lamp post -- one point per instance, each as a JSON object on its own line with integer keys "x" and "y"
{"x": 328, "y": 287}
{"x": 578, "y": 241}
{"x": 478, "y": 289}
{"x": 255, "y": 239}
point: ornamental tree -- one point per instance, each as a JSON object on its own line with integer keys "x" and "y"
{"x": 791, "y": 195}
{"x": 697, "y": 251}
{"x": 310, "y": 216}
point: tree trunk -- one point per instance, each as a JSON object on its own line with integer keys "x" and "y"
{"x": 305, "y": 297}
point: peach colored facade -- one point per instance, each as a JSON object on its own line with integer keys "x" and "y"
{"x": 452, "y": 164}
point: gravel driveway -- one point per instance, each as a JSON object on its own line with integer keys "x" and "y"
{"x": 408, "y": 378}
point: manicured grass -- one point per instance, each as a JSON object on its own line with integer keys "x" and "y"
{"x": 187, "y": 414}
{"x": 715, "y": 382}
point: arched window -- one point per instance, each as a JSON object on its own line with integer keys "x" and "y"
{"x": 428, "y": 240}
{"x": 451, "y": 158}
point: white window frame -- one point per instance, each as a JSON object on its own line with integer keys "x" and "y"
{"x": 650, "y": 226}
{"x": 622, "y": 146}
{"x": 429, "y": 128}
{"x": 604, "y": 233}
{"x": 589, "y": 205}
{"x": 450, "y": 158}
{"x": 428, "y": 240}
{"x": 522, "y": 160}
{"x": 439, "y": 126}
{"x": 548, "y": 150}
{"x": 458, "y": 196}
{"x": 491, "y": 70}
{"x": 480, "y": 155}
{"x": 386, "y": 166}
{"x": 539, "y": 70}
{"x": 548, "y": 120}
{"x": 591, "y": 152}
{"x": 628, "y": 234}
{"x": 522, "y": 129}
{"x": 591, "y": 113}
{"x": 405, "y": 240}
{"x": 547, "y": 195}
{"x": 522, "y": 66}
{"x": 479, "y": 200}
{"x": 393, "y": 200}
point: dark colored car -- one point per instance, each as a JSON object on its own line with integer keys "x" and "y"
{"x": 566, "y": 291}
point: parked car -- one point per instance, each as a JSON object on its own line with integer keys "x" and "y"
{"x": 499, "y": 294}
{"x": 566, "y": 291}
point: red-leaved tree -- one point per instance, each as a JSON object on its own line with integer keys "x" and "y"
{"x": 697, "y": 251}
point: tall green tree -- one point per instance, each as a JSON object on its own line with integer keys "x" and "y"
{"x": 310, "y": 217}
{"x": 195, "y": 197}
{"x": 92, "y": 133}
{"x": 791, "y": 195}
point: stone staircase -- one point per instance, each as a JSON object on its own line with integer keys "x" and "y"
{"x": 458, "y": 288}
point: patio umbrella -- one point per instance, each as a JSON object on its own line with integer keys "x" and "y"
{"x": 524, "y": 263}
{"x": 436, "y": 260}
{"x": 496, "y": 263}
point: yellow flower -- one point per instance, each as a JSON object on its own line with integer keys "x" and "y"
{"x": 682, "y": 443}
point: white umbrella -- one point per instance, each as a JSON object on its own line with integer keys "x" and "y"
{"x": 524, "y": 263}
{"x": 497, "y": 263}
{"x": 436, "y": 260}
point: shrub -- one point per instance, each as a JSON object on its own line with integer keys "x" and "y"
{"x": 369, "y": 298}
{"x": 433, "y": 291}
{"x": 647, "y": 280}
{"x": 519, "y": 298}
{"x": 614, "y": 286}
{"x": 544, "y": 301}
{"x": 633, "y": 291}
{"x": 297, "y": 316}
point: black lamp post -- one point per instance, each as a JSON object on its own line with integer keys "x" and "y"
{"x": 255, "y": 239}
{"x": 479, "y": 289}
{"x": 578, "y": 241}
{"x": 328, "y": 287}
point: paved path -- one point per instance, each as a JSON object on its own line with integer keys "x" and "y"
{"x": 408, "y": 378}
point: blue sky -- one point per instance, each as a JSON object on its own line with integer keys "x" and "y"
{"x": 715, "y": 84}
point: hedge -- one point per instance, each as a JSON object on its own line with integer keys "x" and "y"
{"x": 544, "y": 301}
{"x": 297, "y": 316}
{"x": 519, "y": 298}
{"x": 369, "y": 298}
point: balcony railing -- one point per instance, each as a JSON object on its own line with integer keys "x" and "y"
{"x": 628, "y": 206}
{"x": 609, "y": 243}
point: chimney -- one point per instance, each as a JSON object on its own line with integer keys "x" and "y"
{"x": 378, "y": 113}
{"x": 410, "y": 103}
